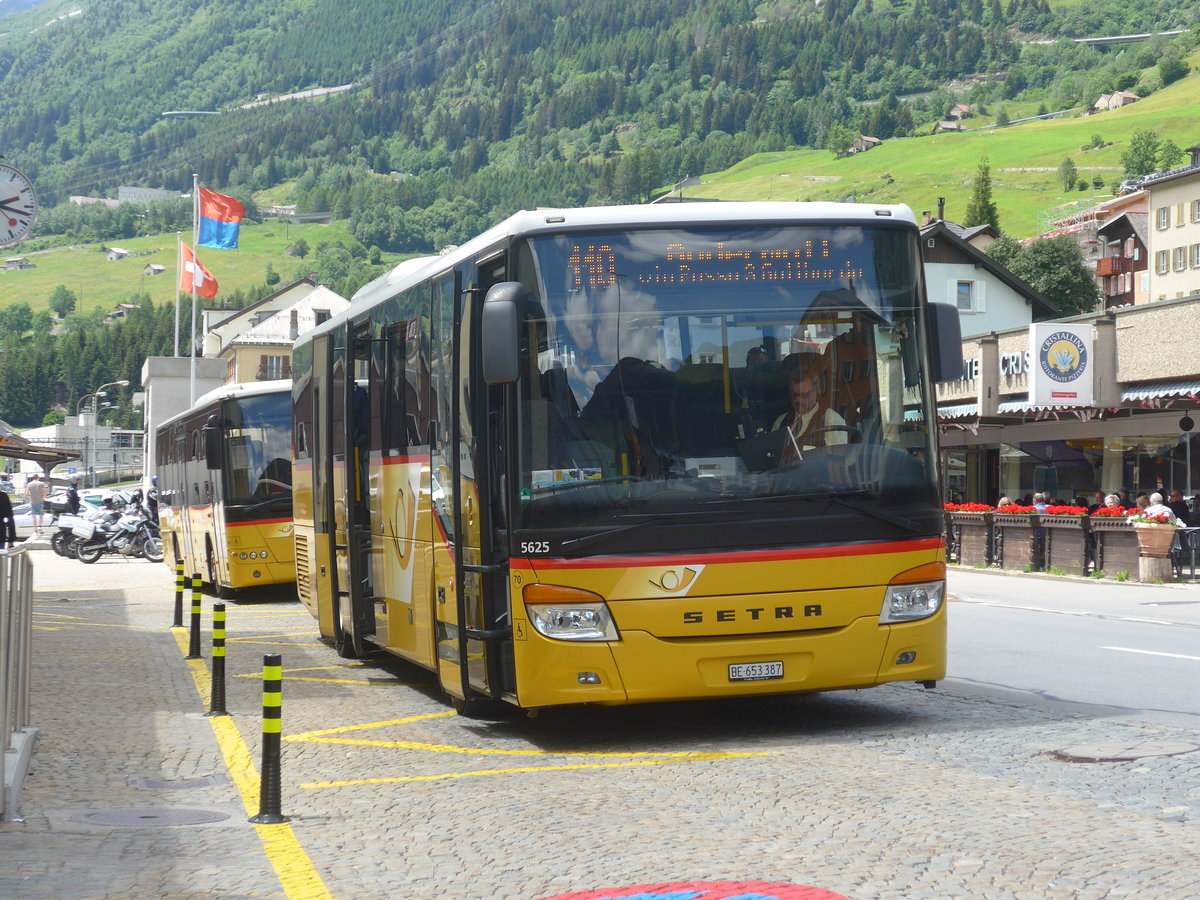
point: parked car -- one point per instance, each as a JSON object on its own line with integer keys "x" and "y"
{"x": 24, "y": 521}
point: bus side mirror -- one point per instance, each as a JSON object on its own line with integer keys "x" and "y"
{"x": 945, "y": 342}
{"x": 499, "y": 332}
{"x": 214, "y": 443}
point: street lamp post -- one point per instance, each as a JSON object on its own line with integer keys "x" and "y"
{"x": 89, "y": 446}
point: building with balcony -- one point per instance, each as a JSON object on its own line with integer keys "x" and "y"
{"x": 1174, "y": 230}
{"x": 1123, "y": 271}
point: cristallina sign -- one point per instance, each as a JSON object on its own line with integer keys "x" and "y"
{"x": 1060, "y": 371}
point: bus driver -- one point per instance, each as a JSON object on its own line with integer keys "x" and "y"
{"x": 810, "y": 422}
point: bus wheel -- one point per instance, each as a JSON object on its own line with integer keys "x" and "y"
{"x": 219, "y": 590}
{"x": 344, "y": 644}
{"x": 477, "y": 707}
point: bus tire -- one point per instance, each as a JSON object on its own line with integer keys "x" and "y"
{"x": 210, "y": 558}
{"x": 478, "y": 707}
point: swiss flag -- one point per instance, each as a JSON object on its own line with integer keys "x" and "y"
{"x": 206, "y": 285}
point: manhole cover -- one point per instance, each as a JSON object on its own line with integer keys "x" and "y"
{"x": 205, "y": 781}
{"x": 147, "y": 817}
{"x": 1116, "y": 751}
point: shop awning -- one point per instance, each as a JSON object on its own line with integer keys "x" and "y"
{"x": 1023, "y": 406}
{"x": 1153, "y": 390}
{"x": 957, "y": 411}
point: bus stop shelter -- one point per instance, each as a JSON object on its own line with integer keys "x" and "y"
{"x": 16, "y": 447}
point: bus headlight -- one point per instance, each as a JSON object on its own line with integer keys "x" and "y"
{"x": 569, "y": 614}
{"x": 915, "y": 594}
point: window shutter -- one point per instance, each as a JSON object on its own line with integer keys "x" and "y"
{"x": 979, "y": 293}
{"x": 262, "y": 368}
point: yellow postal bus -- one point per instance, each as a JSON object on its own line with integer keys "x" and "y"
{"x": 617, "y": 455}
{"x": 224, "y": 487}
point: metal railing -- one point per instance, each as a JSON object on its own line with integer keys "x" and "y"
{"x": 16, "y": 621}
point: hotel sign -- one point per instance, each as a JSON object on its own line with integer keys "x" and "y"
{"x": 1060, "y": 364}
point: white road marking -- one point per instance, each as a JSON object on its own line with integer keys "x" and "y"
{"x": 1152, "y": 653}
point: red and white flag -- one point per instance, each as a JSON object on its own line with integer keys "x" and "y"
{"x": 192, "y": 272}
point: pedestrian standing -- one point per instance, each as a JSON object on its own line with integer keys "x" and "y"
{"x": 35, "y": 493}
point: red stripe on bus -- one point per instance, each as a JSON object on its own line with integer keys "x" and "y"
{"x": 743, "y": 556}
{"x": 400, "y": 460}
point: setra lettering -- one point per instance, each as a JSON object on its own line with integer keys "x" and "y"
{"x": 755, "y": 613}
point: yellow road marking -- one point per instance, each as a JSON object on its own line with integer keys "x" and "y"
{"x": 295, "y": 871}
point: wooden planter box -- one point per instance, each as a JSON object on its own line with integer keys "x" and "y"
{"x": 1017, "y": 544}
{"x": 1114, "y": 547}
{"x": 1065, "y": 543}
{"x": 971, "y": 533}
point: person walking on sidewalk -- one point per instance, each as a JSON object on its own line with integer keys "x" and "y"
{"x": 35, "y": 493}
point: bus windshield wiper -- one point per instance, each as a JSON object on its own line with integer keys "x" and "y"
{"x": 909, "y": 525}
{"x": 576, "y": 544}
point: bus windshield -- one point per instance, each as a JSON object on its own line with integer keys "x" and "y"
{"x": 709, "y": 372}
{"x": 258, "y": 464}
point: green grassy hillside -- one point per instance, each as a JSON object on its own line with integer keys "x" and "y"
{"x": 1024, "y": 161}
{"x": 99, "y": 283}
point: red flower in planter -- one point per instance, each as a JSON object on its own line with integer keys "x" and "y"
{"x": 1111, "y": 512}
{"x": 1065, "y": 511}
{"x": 1016, "y": 509}
{"x": 969, "y": 507}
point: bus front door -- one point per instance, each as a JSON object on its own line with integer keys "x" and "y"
{"x": 474, "y": 624}
{"x": 350, "y": 422}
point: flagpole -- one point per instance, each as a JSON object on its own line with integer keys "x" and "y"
{"x": 179, "y": 270}
{"x": 195, "y": 264}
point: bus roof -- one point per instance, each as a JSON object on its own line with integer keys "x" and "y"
{"x": 663, "y": 215}
{"x": 230, "y": 391}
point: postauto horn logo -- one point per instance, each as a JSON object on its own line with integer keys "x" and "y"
{"x": 1063, "y": 356}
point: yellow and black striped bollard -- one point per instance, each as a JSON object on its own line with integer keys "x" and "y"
{"x": 270, "y": 786}
{"x": 194, "y": 641}
{"x": 216, "y": 705}
{"x": 179, "y": 580}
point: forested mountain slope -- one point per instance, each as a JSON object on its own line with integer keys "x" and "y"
{"x": 463, "y": 110}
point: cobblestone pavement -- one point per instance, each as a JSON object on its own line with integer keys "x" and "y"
{"x": 892, "y": 793}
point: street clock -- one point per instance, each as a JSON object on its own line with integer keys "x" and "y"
{"x": 18, "y": 205}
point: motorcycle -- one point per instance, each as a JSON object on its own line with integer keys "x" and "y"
{"x": 133, "y": 533}
{"x": 64, "y": 539}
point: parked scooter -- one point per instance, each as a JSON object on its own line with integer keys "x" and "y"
{"x": 133, "y": 533}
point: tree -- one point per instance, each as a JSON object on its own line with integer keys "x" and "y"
{"x": 270, "y": 276}
{"x": 981, "y": 209}
{"x": 1055, "y": 267}
{"x": 1142, "y": 156}
{"x": 1169, "y": 155}
{"x": 1002, "y": 119}
{"x": 300, "y": 248}
{"x": 1067, "y": 173}
{"x": 16, "y": 319}
{"x": 1172, "y": 67}
{"x": 840, "y": 139}
{"x": 62, "y": 301}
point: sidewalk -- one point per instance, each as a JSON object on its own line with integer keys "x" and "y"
{"x": 122, "y": 747}
{"x": 1177, "y": 603}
